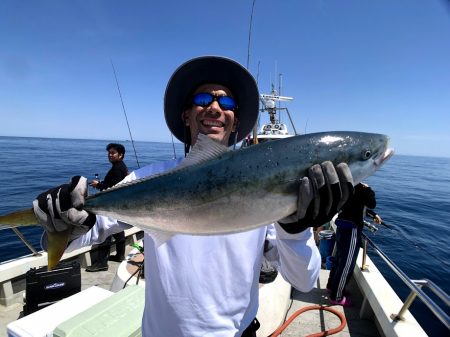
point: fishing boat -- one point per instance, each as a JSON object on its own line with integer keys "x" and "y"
{"x": 274, "y": 128}
{"x": 117, "y": 294}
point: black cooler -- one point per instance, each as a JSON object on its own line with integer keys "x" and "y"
{"x": 45, "y": 287}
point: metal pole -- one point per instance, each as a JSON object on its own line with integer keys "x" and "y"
{"x": 25, "y": 241}
{"x": 409, "y": 300}
{"x": 435, "y": 309}
{"x": 363, "y": 265}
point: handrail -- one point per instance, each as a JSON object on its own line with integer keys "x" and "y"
{"x": 25, "y": 241}
{"x": 414, "y": 285}
{"x": 435, "y": 289}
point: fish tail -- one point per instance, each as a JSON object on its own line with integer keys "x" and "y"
{"x": 57, "y": 244}
{"x": 23, "y": 217}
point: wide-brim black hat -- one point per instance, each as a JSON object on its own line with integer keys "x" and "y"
{"x": 218, "y": 70}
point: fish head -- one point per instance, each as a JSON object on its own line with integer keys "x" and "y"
{"x": 364, "y": 153}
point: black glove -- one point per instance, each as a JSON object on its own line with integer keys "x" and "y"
{"x": 321, "y": 195}
{"x": 60, "y": 208}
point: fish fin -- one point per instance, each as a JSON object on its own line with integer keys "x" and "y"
{"x": 159, "y": 237}
{"x": 57, "y": 244}
{"x": 203, "y": 150}
{"x": 23, "y": 217}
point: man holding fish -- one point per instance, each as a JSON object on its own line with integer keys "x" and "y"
{"x": 207, "y": 285}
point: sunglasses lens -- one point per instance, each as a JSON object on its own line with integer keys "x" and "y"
{"x": 203, "y": 99}
{"x": 227, "y": 103}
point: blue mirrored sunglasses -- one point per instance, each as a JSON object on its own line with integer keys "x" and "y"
{"x": 204, "y": 99}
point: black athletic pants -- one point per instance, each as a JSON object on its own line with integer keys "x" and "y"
{"x": 348, "y": 242}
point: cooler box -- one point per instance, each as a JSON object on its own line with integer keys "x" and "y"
{"x": 45, "y": 287}
{"x": 42, "y": 323}
{"x": 119, "y": 315}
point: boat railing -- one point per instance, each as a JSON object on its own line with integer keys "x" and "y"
{"x": 414, "y": 285}
{"x": 25, "y": 241}
{"x": 12, "y": 272}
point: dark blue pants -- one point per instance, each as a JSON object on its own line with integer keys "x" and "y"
{"x": 348, "y": 242}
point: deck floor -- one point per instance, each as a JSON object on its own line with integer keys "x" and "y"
{"x": 315, "y": 321}
{"x": 307, "y": 323}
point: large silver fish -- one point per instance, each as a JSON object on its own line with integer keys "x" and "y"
{"x": 218, "y": 191}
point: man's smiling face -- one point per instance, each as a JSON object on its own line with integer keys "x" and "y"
{"x": 211, "y": 120}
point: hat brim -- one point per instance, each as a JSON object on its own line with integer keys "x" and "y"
{"x": 218, "y": 70}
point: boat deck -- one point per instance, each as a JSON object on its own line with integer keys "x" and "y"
{"x": 315, "y": 321}
{"x": 101, "y": 279}
{"x": 307, "y": 323}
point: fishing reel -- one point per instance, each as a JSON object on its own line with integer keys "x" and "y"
{"x": 371, "y": 226}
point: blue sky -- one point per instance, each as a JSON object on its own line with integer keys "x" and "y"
{"x": 363, "y": 65}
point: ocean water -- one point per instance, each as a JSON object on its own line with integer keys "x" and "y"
{"x": 30, "y": 166}
{"x": 413, "y": 196}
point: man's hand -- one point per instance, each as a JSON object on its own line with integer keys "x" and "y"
{"x": 377, "y": 219}
{"x": 60, "y": 209}
{"x": 321, "y": 195}
{"x": 94, "y": 183}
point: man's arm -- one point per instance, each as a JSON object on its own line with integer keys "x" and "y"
{"x": 369, "y": 197}
{"x": 295, "y": 256}
{"x": 103, "y": 228}
{"x": 60, "y": 209}
{"x": 321, "y": 194}
{"x": 114, "y": 176}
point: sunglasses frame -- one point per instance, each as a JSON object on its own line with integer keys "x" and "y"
{"x": 214, "y": 98}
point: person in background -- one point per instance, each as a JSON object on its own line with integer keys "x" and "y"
{"x": 118, "y": 171}
{"x": 349, "y": 227}
{"x": 208, "y": 285}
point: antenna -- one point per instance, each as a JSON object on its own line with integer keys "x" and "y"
{"x": 125, "y": 113}
{"x": 280, "y": 78}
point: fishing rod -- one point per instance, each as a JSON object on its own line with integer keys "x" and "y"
{"x": 255, "y": 131}
{"x": 250, "y": 34}
{"x": 372, "y": 215}
{"x": 173, "y": 147}
{"x": 373, "y": 229}
{"x": 125, "y": 113}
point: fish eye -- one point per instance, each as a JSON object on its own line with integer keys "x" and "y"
{"x": 366, "y": 154}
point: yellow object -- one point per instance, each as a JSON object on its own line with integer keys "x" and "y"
{"x": 57, "y": 241}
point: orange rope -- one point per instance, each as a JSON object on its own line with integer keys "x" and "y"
{"x": 318, "y": 334}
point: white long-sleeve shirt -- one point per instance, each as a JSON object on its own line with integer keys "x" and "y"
{"x": 208, "y": 285}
